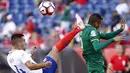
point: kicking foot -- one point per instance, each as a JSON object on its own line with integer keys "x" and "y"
{"x": 79, "y": 21}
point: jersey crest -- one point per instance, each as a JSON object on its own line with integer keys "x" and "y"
{"x": 93, "y": 33}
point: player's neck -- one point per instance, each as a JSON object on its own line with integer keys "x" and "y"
{"x": 15, "y": 48}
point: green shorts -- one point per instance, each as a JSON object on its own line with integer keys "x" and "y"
{"x": 92, "y": 70}
{"x": 96, "y": 71}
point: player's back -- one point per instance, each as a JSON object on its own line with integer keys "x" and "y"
{"x": 86, "y": 42}
{"x": 91, "y": 56}
{"x": 16, "y": 60}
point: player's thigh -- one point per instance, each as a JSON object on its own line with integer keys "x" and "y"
{"x": 53, "y": 67}
{"x": 54, "y": 53}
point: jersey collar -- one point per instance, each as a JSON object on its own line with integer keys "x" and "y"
{"x": 88, "y": 25}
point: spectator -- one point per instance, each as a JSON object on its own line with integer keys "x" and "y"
{"x": 3, "y": 4}
{"x": 65, "y": 23}
{"x": 26, "y": 33}
{"x": 128, "y": 38}
{"x": 59, "y": 6}
{"x": 81, "y": 2}
{"x": 122, "y": 8}
{"x": 30, "y": 25}
{"x": 115, "y": 19}
{"x": 36, "y": 40}
{"x": 36, "y": 2}
{"x": 117, "y": 26}
{"x": 119, "y": 62}
{"x": 6, "y": 42}
{"x": 9, "y": 27}
{"x": 60, "y": 30}
{"x": 87, "y": 18}
{"x": 3, "y": 15}
{"x": 67, "y": 1}
{"x": 54, "y": 36}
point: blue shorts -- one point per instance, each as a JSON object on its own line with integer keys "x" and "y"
{"x": 53, "y": 67}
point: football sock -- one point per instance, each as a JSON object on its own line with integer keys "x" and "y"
{"x": 67, "y": 39}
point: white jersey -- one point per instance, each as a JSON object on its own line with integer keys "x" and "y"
{"x": 17, "y": 60}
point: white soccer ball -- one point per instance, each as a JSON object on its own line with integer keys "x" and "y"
{"x": 47, "y": 8}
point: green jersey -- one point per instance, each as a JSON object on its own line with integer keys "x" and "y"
{"x": 92, "y": 47}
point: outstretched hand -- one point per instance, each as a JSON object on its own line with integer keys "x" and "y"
{"x": 123, "y": 22}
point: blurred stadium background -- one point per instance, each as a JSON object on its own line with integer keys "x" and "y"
{"x": 44, "y": 31}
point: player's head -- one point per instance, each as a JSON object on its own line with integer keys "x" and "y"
{"x": 120, "y": 49}
{"x": 95, "y": 20}
{"x": 18, "y": 41}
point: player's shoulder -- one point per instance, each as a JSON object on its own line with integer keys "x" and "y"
{"x": 90, "y": 28}
{"x": 17, "y": 53}
{"x": 20, "y": 52}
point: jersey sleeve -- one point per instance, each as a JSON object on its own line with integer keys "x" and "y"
{"x": 110, "y": 35}
{"x": 94, "y": 36}
{"x": 95, "y": 40}
{"x": 24, "y": 57}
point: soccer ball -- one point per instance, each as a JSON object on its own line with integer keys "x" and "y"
{"x": 47, "y": 8}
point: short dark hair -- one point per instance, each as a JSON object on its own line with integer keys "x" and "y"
{"x": 94, "y": 18}
{"x": 15, "y": 38}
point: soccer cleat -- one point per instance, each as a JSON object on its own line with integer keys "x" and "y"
{"x": 79, "y": 21}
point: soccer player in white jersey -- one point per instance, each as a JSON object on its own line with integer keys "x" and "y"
{"x": 21, "y": 62}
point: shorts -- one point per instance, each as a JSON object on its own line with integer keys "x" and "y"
{"x": 53, "y": 67}
{"x": 96, "y": 70}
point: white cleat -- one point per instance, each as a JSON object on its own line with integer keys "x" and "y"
{"x": 79, "y": 21}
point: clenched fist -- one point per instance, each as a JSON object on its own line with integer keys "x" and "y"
{"x": 122, "y": 22}
{"x": 47, "y": 64}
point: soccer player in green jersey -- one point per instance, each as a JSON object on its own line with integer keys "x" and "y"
{"x": 92, "y": 46}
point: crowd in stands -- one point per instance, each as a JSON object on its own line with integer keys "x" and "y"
{"x": 23, "y": 16}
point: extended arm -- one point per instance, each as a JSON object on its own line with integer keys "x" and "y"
{"x": 100, "y": 45}
{"x": 95, "y": 40}
{"x": 28, "y": 61}
{"x": 32, "y": 66}
{"x": 110, "y": 35}
{"x": 113, "y": 34}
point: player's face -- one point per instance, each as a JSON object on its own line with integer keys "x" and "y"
{"x": 23, "y": 44}
{"x": 98, "y": 24}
